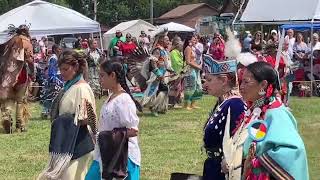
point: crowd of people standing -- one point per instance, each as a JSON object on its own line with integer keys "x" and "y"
{"x": 245, "y": 137}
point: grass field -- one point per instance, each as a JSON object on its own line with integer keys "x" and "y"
{"x": 169, "y": 143}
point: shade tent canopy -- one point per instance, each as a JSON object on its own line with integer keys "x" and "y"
{"x": 133, "y": 27}
{"x": 300, "y": 27}
{"x": 280, "y": 11}
{"x": 176, "y": 27}
{"x": 47, "y": 19}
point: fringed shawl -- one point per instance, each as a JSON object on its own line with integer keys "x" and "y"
{"x": 11, "y": 64}
{"x": 61, "y": 148}
{"x": 77, "y": 100}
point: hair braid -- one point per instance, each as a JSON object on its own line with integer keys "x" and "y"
{"x": 119, "y": 70}
{"x": 121, "y": 77}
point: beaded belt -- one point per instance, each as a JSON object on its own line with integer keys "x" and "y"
{"x": 214, "y": 153}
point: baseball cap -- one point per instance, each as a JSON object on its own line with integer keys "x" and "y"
{"x": 274, "y": 31}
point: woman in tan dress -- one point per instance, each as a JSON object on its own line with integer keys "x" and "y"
{"x": 74, "y": 123}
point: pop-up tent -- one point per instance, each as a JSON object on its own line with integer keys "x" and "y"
{"x": 280, "y": 11}
{"x": 301, "y": 27}
{"x": 176, "y": 27}
{"x": 47, "y": 19}
{"x": 133, "y": 27}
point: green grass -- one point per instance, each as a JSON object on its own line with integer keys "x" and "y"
{"x": 169, "y": 143}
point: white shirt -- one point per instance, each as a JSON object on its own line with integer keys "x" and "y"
{"x": 316, "y": 46}
{"x": 145, "y": 42}
{"x": 199, "y": 51}
{"x": 117, "y": 113}
{"x": 290, "y": 48}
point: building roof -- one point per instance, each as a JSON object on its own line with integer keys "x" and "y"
{"x": 183, "y": 10}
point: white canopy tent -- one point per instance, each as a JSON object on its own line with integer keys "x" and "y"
{"x": 176, "y": 27}
{"x": 280, "y": 11}
{"x": 47, "y": 19}
{"x": 133, "y": 27}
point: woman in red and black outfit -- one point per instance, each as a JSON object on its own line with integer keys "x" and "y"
{"x": 127, "y": 47}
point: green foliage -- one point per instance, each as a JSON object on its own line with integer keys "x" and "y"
{"x": 214, "y": 3}
{"x": 4, "y": 6}
{"x": 111, "y": 12}
{"x": 7, "y": 5}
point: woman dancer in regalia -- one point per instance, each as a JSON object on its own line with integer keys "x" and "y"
{"x": 192, "y": 87}
{"x": 278, "y": 152}
{"x": 74, "y": 123}
{"x": 267, "y": 140}
{"x": 228, "y": 101}
{"x": 53, "y": 83}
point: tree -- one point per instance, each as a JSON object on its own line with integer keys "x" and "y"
{"x": 7, "y": 5}
{"x": 111, "y": 12}
{"x": 214, "y": 3}
{"x": 4, "y": 6}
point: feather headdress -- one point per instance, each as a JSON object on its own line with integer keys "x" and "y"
{"x": 233, "y": 50}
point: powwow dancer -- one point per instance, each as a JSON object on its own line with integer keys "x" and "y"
{"x": 224, "y": 74}
{"x": 94, "y": 57}
{"x": 16, "y": 65}
{"x": 192, "y": 87}
{"x": 177, "y": 63}
{"x": 73, "y": 125}
{"x": 260, "y": 147}
{"x": 159, "y": 67}
{"x": 53, "y": 83}
{"x": 268, "y": 151}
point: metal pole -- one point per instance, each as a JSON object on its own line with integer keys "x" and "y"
{"x": 100, "y": 34}
{"x": 95, "y": 9}
{"x": 311, "y": 61}
{"x": 262, "y": 33}
{"x": 236, "y": 17}
{"x": 151, "y": 11}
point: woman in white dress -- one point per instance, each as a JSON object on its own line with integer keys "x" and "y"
{"x": 118, "y": 112}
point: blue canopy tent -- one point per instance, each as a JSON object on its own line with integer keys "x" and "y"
{"x": 301, "y": 27}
